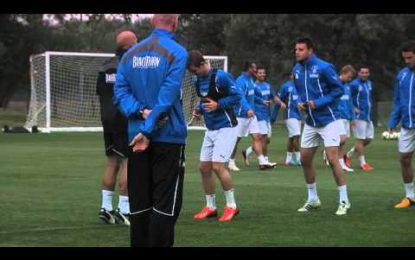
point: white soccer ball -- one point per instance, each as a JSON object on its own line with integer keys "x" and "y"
{"x": 386, "y": 135}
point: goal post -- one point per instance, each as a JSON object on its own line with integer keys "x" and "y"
{"x": 63, "y": 91}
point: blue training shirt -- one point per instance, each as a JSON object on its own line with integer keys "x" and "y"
{"x": 150, "y": 76}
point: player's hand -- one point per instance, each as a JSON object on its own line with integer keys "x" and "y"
{"x": 391, "y": 130}
{"x": 266, "y": 102}
{"x": 146, "y": 112}
{"x": 302, "y": 106}
{"x": 311, "y": 104}
{"x": 283, "y": 105}
{"x": 139, "y": 143}
{"x": 210, "y": 105}
{"x": 196, "y": 114}
{"x": 162, "y": 121}
{"x": 250, "y": 113}
{"x": 356, "y": 110}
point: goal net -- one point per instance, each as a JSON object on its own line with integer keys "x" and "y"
{"x": 63, "y": 91}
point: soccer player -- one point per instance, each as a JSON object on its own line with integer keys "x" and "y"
{"x": 219, "y": 95}
{"x": 347, "y": 73}
{"x": 115, "y": 136}
{"x": 265, "y": 94}
{"x": 148, "y": 92}
{"x": 363, "y": 130}
{"x": 404, "y": 111}
{"x": 292, "y": 118}
{"x": 319, "y": 91}
{"x": 247, "y": 120}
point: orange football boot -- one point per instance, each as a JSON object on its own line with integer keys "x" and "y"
{"x": 228, "y": 214}
{"x": 206, "y": 212}
{"x": 405, "y": 203}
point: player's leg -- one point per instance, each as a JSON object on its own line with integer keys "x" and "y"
{"x": 294, "y": 132}
{"x": 122, "y": 213}
{"x": 167, "y": 194}
{"x": 106, "y": 212}
{"x": 290, "y": 150}
{"x": 254, "y": 131}
{"x": 241, "y": 131}
{"x": 406, "y": 150}
{"x": 224, "y": 141}
{"x": 309, "y": 144}
{"x": 331, "y": 137}
{"x": 140, "y": 195}
{"x": 208, "y": 179}
{"x": 343, "y": 139}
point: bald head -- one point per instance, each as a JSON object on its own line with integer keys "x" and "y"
{"x": 165, "y": 21}
{"x": 126, "y": 39}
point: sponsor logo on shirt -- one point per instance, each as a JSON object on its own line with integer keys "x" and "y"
{"x": 146, "y": 62}
{"x": 110, "y": 78}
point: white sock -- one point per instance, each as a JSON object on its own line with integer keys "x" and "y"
{"x": 362, "y": 160}
{"x": 289, "y": 157}
{"x": 341, "y": 161}
{"x": 123, "y": 204}
{"x": 248, "y": 151}
{"x": 107, "y": 199}
{"x": 312, "y": 192}
{"x": 266, "y": 158}
{"x": 350, "y": 152}
{"x": 298, "y": 156}
{"x": 261, "y": 160}
{"x": 231, "y": 162}
{"x": 324, "y": 155}
{"x": 211, "y": 201}
{"x": 230, "y": 198}
{"x": 409, "y": 190}
{"x": 343, "y": 194}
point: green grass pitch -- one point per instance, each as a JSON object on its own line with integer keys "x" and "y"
{"x": 50, "y": 196}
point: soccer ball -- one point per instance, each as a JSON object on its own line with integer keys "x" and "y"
{"x": 385, "y": 135}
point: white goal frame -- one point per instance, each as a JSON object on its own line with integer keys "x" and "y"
{"x": 33, "y": 115}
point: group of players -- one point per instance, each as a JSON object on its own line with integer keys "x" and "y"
{"x": 333, "y": 104}
{"x": 236, "y": 108}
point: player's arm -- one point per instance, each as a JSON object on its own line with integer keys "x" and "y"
{"x": 233, "y": 97}
{"x": 124, "y": 98}
{"x": 100, "y": 82}
{"x": 336, "y": 89}
{"x": 241, "y": 88}
{"x": 395, "y": 116}
{"x": 169, "y": 93}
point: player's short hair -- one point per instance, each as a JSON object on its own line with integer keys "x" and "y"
{"x": 260, "y": 67}
{"x": 348, "y": 68}
{"x": 248, "y": 65}
{"x": 363, "y": 66}
{"x": 195, "y": 59}
{"x": 307, "y": 41}
{"x": 408, "y": 46}
{"x": 286, "y": 75}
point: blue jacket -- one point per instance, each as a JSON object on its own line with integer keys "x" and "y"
{"x": 362, "y": 98}
{"x": 346, "y": 104}
{"x": 219, "y": 118}
{"x": 264, "y": 92}
{"x": 317, "y": 80}
{"x": 289, "y": 96}
{"x": 245, "y": 86}
{"x": 150, "y": 76}
{"x": 404, "y": 100}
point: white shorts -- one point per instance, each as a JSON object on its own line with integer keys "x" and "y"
{"x": 218, "y": 145}
{"x": 346, "y": 127}
{"x": 293, "y": 127}
{"x": 264, "y": 127}
{"x": 247, "y": 126}
{"x": 363, "y": 129}
{"x": 329, "y": 134}
{"x": 407, "y": 140}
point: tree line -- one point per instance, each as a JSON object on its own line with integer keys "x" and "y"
{"x": 267, "y": 39}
